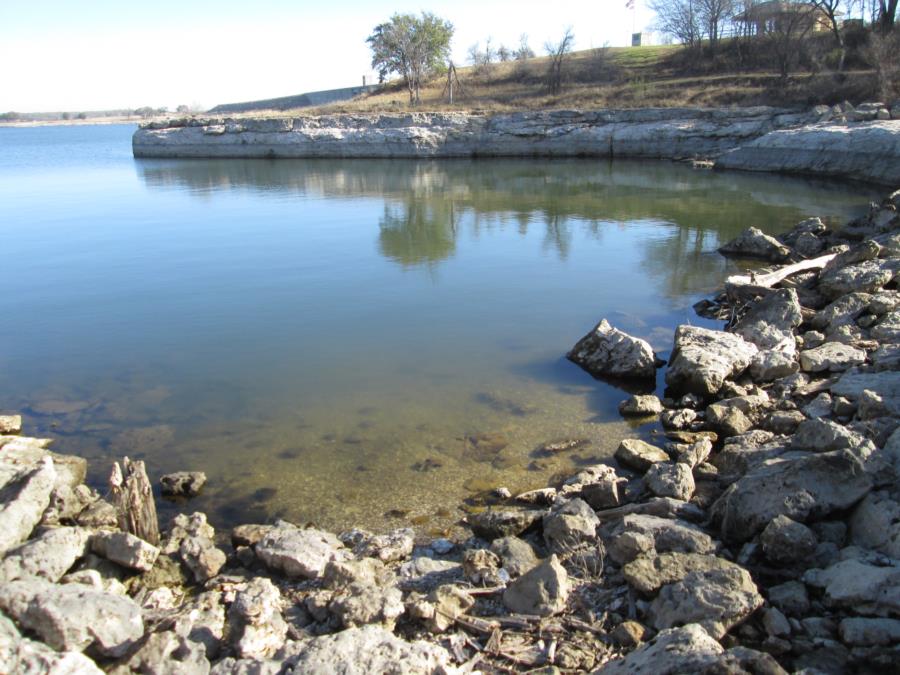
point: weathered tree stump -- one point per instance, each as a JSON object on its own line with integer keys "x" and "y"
{"x": 133, "y": 498}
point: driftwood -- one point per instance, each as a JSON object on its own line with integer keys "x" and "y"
{"x": 133, "y": 498}
{"x": 766, "y": 281}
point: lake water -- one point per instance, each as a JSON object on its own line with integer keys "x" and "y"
{"x": 347, "y": 342}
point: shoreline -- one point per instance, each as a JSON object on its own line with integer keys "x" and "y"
{"x": 861, "y": 144}
{"x": 761, "y": 536}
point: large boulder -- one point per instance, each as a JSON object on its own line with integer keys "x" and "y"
{"x": 74, "y": 617}
{"x": 494, "y": 524}
{"x": 831, "y": 356}
{"x": 703, "y": 359}
{"x": 22, "y": 503}
{"x": 607, "y": 351}
{"x": 865, "y": 277}
{"x": 799, "y": 487}
{"x": 770, "y": 323}
{"x": 649, "y": 573}
{"x": 569, "y": 525}
{"x": 48, "y": 556}
{"x": 543, "y": 590}
{"x": 715, "y": 599}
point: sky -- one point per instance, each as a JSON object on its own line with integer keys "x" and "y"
{"x": 68, "y": 55}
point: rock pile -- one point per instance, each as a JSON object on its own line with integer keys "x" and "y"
{"x": 759, "y": 534}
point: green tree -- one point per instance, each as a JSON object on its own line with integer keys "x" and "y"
{"x": 411, "y": 46}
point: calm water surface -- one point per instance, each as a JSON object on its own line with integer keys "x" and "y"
{"x": 346, "y": 342}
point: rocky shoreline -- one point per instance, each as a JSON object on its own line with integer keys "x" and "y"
{"x": 760, "y": 535}
{"x": 860, "y": 143}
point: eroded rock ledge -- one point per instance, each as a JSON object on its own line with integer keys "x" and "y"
{"x": 867, "y": 150}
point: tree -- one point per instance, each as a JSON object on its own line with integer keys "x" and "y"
{"x": 679, "y": 19}
{"x": 412, "y": 47}
{"x": 714, "y": 14}
{"x": 785, "y": 40}
{"x": 831, "y": 9}
{"x": 523, "y": 51}
{"x": 183, "y": 108}
{"x": 887, "y": 13}
{"x": 558, "y": 52}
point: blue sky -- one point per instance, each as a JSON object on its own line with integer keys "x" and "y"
{"x": 100, "y": 54}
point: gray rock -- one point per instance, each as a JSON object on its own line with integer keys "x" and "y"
{"x": 819, "y": 435}
{"x": 390, "y": 547}
{"x": 885, "y": 384}
{"x": 193, "y": 540}
{"x": 769, "y": 365}
{"x": 865, "y": 632}
{"x": 741, "y": 454}
{"x": 21, "y": 655}
{"x": 167, "y": 652}
{"x": 888, "y": 328}
{"x": 831, "y": 356}
{"x": 677, "y": 419}
{"x": 770, "y": 323}
{"x": 790, "y": 597}
{"x": 808, "y": 245}
{"x": 183, "y": 483}
{"x": 875, "y": 524}
{"x": 74, "y": 617}
{"x": 257, "y": 628}
{"x": 640, "y": 406}
{"x": 364, "y": 603}
{"x": 675, "y": 651}
{"x": 639, "y": 455}
{"x": 865, "y": 277}
{"x": 22, "y": 503}
{"x": 785, "y": 541}
{"x": 841, "y": 312}
{"x": 800, "y": 488}
{"x": 861, "y": 586}
{"x": 516, "y": 555}
{"x": 448, "y": 602}
{"x": 540, "y": 496}
{"x": 728, "y": 419}
{"x": 648, "y": 574}
{"x": 663, "y": 535}
{"x": 607, "y": 351}
{"x": 299, "y": 553}
{"x": 715, "y": 599}
{"x": 543, "y": 590}
{"x": 753, "y": 243}
{"x": 481, "y": 566}
{"x": 783, "y": 421}
{"x": 695, "y": 454}
{"x": 569, "y": 525}
{"x": 125, "y": 549}
{"x": 494, "y": 524}
{"x": 703, "y": 359}
{"x": 821, "y": 406}
{"x": 48, "y": 556}
{"x": 667, "y": 479}
{"x": 776, "y": 623}
{"x": 370, "y": 649}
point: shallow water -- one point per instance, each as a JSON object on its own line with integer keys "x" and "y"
{"x": 347, "y": 342}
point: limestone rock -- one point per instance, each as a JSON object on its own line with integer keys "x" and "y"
{"x": 689, "y": 649}
{"x": 493, "y": 524}
{"x": 730, "y": 420}
{"x": 569, "y": 525}
{"x": 74, "y": 617}
{"x": 677, "y": 419}
{"x": 299, "y": 553}
{"x": 22, "y": 503}
{"x": 861, "y": 586}
{"x": 192, "y": 539}
{"x": 770, "y": 323}
{"x": 753, "y": 243}
{"x": 449, "y": 602}
{"x": 640, "y": 406}
{"x": 364, "y": 603}
{"x": 125, "y": 549}
{"x": 607, "y": 351}
{"x": 257, "y": 628}
{"x": 821, "y": 435}
{"x": 715, "y": 599}
{"x": 183, "y": 483}
{"x": 166, "y": 652}
{"x": 800, "y": 488}
{"x": 667, "y": 479}
{"x": 695, "y": 454}
{"x": 21, "y": 655}
{"x": 841, "y": 312}
{"x": 864, "y": 277}
{"x": 10, "y": 425}
{"x": 370, "y": 649}
{"x": 875, "y": 524}
{"x": 785, "y": 541}
{"x": 648, "y": 574}
{"x": 516, "y": 555}
{"x": 639, "y": 455}
{"x": 543, "y": 590}
{"x": 481, "y": 566}
{"x": 48, "y": 556}
{"x": 662, "y": 535}
{"x": 703, "y": 359}
{"x": 790, "y": 597}
{"x": 866, "y": 632}
{"x": 769, "y": 365}
{"x": 831, "y": 356}
{"x": 393, "y": 546}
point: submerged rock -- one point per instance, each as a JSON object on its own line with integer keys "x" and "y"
{"x": 640, "y": 406}
{"x": 607, "y": 351}
{"x": 494, "y": 524}
{"x": 753, "y": 243}
{"x": 183, "y": 483}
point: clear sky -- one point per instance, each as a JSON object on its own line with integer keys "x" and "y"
{"x": 73, "y": 55}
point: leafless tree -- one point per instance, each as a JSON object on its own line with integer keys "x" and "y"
{"x": 831, "y": 9}
{"x": 785, "y": 39}
{"x": 523, "y": 51}
{"x": 887, "y": 13}
{"x": 558, "y": 52}
{"x": 679, "y": 19}
{"x": 714, "y": 14}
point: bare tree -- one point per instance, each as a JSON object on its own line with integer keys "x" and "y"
{"x": 785, "y": 39}
{"x": 887, "y": 13}
{"x": 523, "y": 51}
{"x": 679, "y": 19}
{"x": 504, "y": 53}
{"x": 714, "y": 14}
{"x": 558, "y": 52}
{"x": 831, "y": 9}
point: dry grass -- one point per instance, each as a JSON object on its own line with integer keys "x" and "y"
{"x": 631, "y": 77}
